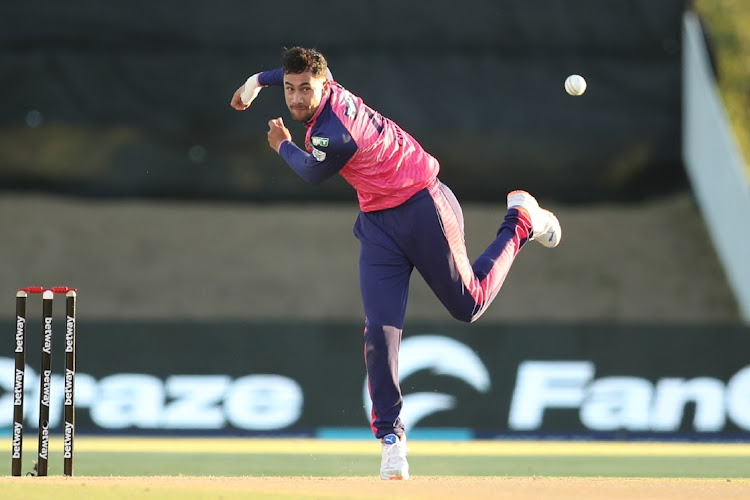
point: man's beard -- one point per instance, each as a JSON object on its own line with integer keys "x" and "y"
{"x": 306, "y": 114}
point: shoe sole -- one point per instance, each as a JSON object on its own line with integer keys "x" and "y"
{"x": 553, "y": 238}
{"x": 394, "y": 478}
{"x": 520, "y": 198}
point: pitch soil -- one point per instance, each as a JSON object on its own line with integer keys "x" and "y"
{"x": 418, "y": 488}
{"x": 645, "y": 262}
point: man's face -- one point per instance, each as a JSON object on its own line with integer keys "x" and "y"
{"x": 303, "y": 93}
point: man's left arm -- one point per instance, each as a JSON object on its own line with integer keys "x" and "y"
{"x": 315, "y": 167}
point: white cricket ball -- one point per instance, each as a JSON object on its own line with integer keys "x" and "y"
{"x": 575, "y": 85}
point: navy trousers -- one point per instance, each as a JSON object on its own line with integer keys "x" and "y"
{"x": 426, "y": 233}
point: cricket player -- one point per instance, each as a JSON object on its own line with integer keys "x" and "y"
{"x": 408, "y": 219}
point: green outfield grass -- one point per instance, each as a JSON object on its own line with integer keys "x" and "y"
{"x": 304, "y": 469}
{"x": 308, "y": 457}
{"x": 238, "y": 464}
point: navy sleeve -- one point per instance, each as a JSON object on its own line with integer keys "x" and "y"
{"x": 306, "y": 165}
{"x": 274, "y": 77}
{"x": 332, "y": 147}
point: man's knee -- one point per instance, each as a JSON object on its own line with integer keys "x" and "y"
{"x": 465, "y": 314}
{"x": 381, "y": 337}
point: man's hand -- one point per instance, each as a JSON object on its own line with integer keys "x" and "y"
{"x": 277, "y": 133}
{"x": 246, "y": 94}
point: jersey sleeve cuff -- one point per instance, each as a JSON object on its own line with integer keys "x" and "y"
{"x": 275, "y": 77}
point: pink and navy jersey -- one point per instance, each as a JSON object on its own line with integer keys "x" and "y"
{"x": 421, "y": 229}
{"x": 384, "y": 164}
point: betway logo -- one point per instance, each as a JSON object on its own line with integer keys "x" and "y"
{"x": 20, "y": 332}
{"x": 44, "y": 441}
{"x": 70, "y": 325}
{"x": 18, "y": 388}
{"x": 17, "y": 436}
{"x": 628, "y": 403}
{"x": 69, "y": 375}
{"x": 47, "y": 345}
{"x": 68, "y": 440}
{"x": 46, "y": 388}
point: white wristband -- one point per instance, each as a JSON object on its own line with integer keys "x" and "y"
{"x": 252, "y": 87}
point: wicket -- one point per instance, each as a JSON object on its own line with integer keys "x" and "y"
{"x": 45, "y": 378}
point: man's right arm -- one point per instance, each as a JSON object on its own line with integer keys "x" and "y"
{"x": 275, "y": 77}
{"x": 247, "y": 93}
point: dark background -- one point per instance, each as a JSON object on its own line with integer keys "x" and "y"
{"x": 132, "y": 99}
{"x": 125, "y": 173}
{"x": 319, "y": 358}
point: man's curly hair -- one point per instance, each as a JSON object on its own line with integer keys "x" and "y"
{"x": 299, "y": 59}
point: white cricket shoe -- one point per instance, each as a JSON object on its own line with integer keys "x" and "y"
{"x": 393, "y": 465}
{"x": 545, "y": 228}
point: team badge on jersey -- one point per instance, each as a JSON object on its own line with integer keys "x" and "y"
{"x": 318, "y": 154}
{"x": 320, "y": 141}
